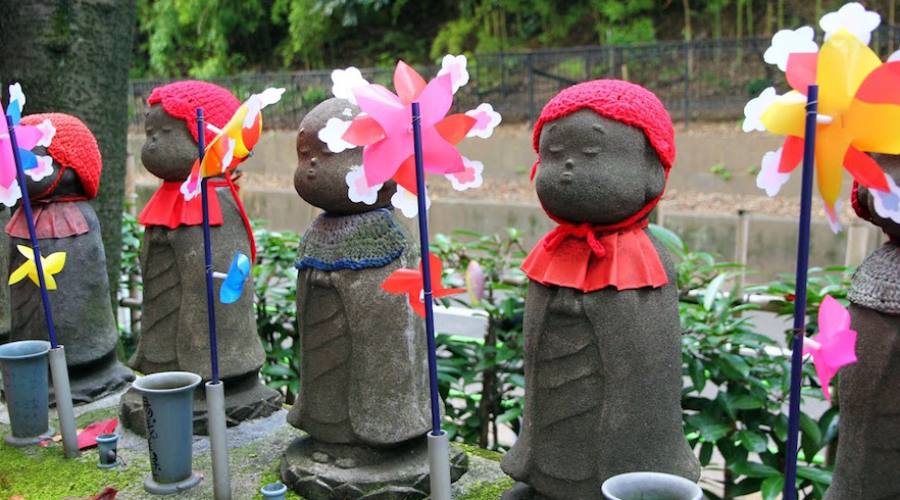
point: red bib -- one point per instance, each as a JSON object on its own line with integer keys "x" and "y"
{"x": 589, "y": 258}
{"x": 167, "y": 207}
{"x": 53, "y": 220}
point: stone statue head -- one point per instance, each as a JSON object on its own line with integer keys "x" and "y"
{"x": 171, "y": 125}
{"x": 321, "y": 175}
{"x": 864, "y": 202}
{"x": 76, "y": 164}
{"x": 605, "y": 148}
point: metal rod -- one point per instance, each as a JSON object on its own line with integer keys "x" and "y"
{"x": 218, "y": 440}
{"x": 207, "y": 253}
{"x": 426, "y": 272}
{"x": 62, "y": 391}
{"x": 809, "y": 147}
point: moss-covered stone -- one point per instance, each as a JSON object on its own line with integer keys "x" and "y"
{"x": 488, "y": 490}
{"x": 493, "y": 456}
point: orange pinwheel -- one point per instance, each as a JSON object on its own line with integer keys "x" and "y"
{"x": 233, "y": 142}
{"x": 409, "y": 281}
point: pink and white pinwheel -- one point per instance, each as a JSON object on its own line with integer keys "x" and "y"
{"x": 835, "y": 344}
{"x": 384, "y": 130}
{"x": 27, "y": 138}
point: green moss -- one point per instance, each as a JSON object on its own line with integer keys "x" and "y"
{"x": 36, "y": 472}
{"x": 95, "y": 416}
{"x": 493, "y": 456}
{"x": 272, "y": 476}
{"x": 489, "y": 490}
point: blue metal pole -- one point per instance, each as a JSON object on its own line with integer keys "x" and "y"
{"x": 29, "y": 219}
{"x": 426, "y": 272}
{"x": 809, "y": 148}
{"x": 207, "y": 253}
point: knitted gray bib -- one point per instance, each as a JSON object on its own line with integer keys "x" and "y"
{"x": 359, "y": 241}
{"x": 876, "y": 284}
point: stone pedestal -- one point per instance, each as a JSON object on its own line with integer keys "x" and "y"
{"x": 97, "y": 380}
{"x": 245, "y": 399}
{"x": 324, "y": 471}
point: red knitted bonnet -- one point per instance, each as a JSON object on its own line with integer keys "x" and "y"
{"x": 73, "y": 146}
{"x": 617, "y": 100}
{"x": 181, "y": 100}
{"x": 621, "y": 101}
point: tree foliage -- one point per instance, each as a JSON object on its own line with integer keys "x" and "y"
{"x": 219, "y": 37}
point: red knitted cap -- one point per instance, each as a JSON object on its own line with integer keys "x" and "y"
{"x": 73, "y": 146}
{"x": 181, "y": 100}
{"x": 620, "y": 101}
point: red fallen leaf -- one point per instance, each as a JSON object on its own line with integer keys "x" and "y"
{"x": 108, "y": 493}
{"x": 88, "y": 437}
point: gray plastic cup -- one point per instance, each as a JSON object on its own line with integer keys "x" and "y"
{"x": 274, "y": 491}
{"x": 168, "y": 399}
{"x": 650, "y": 486}
{"x": 26, "y": 386}
{"x": 107, "y": 450}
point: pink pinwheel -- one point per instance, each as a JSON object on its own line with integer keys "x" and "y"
{"x": 27, "y": 138}
{"x": 385, "y": 132}
{"x": 834, "y": 346}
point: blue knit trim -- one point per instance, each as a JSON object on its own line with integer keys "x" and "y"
{"x": 310, "y": 262}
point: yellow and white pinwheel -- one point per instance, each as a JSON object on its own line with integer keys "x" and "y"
{"x": 51, "y": 265}
{"x": 858, "y": 105}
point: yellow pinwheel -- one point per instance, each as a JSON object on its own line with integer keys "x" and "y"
{"x": 51, "y": 264}
{"x": 859, "y": 113}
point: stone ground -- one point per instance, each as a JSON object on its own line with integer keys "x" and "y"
{"x": 255, "y": 453}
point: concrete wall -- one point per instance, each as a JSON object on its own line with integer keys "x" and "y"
{"x": 268, "y": 194}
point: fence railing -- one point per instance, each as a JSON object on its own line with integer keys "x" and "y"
{"x": 704, "y": 79}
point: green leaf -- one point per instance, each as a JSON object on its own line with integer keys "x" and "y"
{"x": 754, "y": 469}
{"x": 747, "y": 402}
{"x": 736, "y": 364}
{"x": 698, "y": 374}
{"x": 712, "y": 290}
{"x": 814, "y": 474}
{"x": 811, "y": 437}
{"x": 752, "y": 441}
{"x": 711, "y": 430}
{"x": 772, "y": 487}
{"x": 706, "y": 451}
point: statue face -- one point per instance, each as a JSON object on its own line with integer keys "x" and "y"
{"x": 596, "y": 170}
{"x": 891, "y": 166}
{"x": 69, "y": 184}
{"x": 320, "y": 178}
{"x": 170, "y": 150}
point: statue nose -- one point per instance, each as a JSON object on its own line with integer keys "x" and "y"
{"x": 570, "y": 164}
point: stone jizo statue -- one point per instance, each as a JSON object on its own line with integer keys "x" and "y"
{"x": 602, "y": 333}
{"x": 66, "y": 222}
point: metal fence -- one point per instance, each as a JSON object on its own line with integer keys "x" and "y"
{"x": 706, "y": 79}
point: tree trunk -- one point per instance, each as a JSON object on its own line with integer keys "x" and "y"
{"x": 73, "y": 56}
{"x": 892, "y": 13}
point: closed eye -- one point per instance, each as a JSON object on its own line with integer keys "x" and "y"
{"x": 556, "y": 149}
{"x": 592, "y": 151}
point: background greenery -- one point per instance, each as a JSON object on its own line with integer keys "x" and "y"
{"x": 736, "y": 379}
{"x": 223, "y": 37}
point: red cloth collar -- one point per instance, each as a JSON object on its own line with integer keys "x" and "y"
{"x": 589, "y": 258}
{"x": 59, "y": 219}
{"x": 167, "y": 207}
